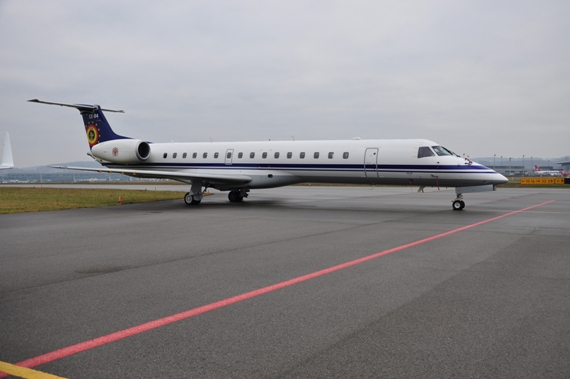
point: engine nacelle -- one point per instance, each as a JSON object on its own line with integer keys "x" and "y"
{"x": 126, "y": 151}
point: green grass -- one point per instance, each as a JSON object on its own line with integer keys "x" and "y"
{"x": 18, "y": 199}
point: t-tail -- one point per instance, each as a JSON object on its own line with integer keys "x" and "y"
{"x": 97, "y": 127}
{"x": 106, "y": 146}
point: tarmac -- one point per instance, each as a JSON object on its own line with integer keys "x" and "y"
{"x": 295, "y": 282}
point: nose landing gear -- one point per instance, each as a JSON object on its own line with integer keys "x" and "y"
{"x": 458, "y": 205}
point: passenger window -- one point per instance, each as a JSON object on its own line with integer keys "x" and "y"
{"x": 289, "y": 155}
{"x": 216, "y": 155}
{"x": 345, "y": 155}
{"x": 302, "y": 155}
{"x": 165, "y": 155}
{"x": 184, "y": 156}
{"x": 264, "y": 155}
{"x": 252, "y": 155}
{"x": 205, "y": 155}
{"x": 174, "y": 155}
{"x": 425, "y": 151}
{"x": 316, "y": 155}
{"x": 194, "y": 155}
{"x": 276, "y": 155}
{"x": 229, "y": 155}
{"x": 331, "y": 154}
{"x": 240, "y": 155}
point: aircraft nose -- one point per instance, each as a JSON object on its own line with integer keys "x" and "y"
{"x": 501, "y": 179}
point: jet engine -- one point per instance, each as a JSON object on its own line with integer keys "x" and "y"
{"x": 125, "y": 151}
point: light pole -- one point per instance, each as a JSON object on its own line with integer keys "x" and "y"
{"x": 510, "y": 172}
{"x": 524, "y": 168}
{"x": 494, "y": 156}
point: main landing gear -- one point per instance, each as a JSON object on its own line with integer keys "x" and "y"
{"x": 236, "y": 196}
{"x": 194, "y": 197}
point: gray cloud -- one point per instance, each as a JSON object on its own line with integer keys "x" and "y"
{"x": 482, "y": 78}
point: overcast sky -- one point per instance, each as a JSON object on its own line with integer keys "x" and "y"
{"x": 479, "y": 77}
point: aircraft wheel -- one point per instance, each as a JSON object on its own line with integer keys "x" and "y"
{"x": 458, "y": 205}
{"x": 189, "y": 199}
{"x": 235, "y": 196}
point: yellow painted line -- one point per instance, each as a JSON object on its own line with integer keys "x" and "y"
{"x": 27, "y": 373}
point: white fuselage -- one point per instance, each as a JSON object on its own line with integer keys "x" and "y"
{"x": 279, "y": 163}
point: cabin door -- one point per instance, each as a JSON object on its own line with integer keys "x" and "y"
{"x": 371, "y": 163}
{"x": 229, "y": 156}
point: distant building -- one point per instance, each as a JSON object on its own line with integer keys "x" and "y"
{"x": 565, "y": 165}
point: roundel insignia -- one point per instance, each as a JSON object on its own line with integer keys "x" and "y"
{"x": 115, "y": 151}
{"x": 92, "y": 134}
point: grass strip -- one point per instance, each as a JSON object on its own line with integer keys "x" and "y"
{"x": 19, "y": 199}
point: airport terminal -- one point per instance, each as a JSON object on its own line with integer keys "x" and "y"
{"x": 525, "y": 166}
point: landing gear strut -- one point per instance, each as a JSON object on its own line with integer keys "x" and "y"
{"x": 194, "y": 197}
{"x": 458, "y": 204}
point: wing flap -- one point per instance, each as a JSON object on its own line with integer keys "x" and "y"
{"x": 174, "y": 175}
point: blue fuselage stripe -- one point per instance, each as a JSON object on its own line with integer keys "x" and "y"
{"x": 475, "y": 169}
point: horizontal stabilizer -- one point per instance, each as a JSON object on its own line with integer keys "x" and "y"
{"x": 80, "y": 107}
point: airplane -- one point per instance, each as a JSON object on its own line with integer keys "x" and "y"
{"x": 239, "y": 167}
{"x": 538, "y": 171}
{"x": 7, "y": 158}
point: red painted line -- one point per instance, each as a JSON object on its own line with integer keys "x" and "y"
{"x": 74, "y": 349}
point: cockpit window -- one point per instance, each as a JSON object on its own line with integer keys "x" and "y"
{"x": 425, "y": 151}
{"x": 442, "y": 151}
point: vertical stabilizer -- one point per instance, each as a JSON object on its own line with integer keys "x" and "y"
{"x": 7, "y": 158}
{"x": 97, "y": 127}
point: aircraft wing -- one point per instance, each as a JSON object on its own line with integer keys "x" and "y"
{"x": 174, "y": 175}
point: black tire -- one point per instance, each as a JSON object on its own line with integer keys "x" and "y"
{"x": 189, "y": 199}
{"x": 457, "y": 205}
{"x": 234, "y": 197}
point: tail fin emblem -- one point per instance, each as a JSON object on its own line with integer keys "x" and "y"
{"x": 92, "y": 135}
